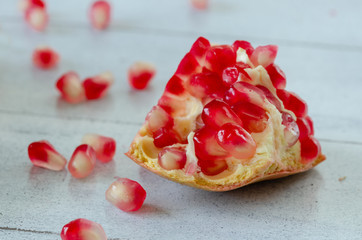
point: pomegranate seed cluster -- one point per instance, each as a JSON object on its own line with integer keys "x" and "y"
{"x": 235, "y": 108}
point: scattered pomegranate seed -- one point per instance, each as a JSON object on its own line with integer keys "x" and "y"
{"x": 199, "y": 48}
{"x": 158, "y": 118}
{"x": 220, "y": 57}
{"x": 211, "y": 168}
{"x": 165, "y": 137}
{"x": 97, "y": 87}
{"x": 104, "y": 147}
{"x": 45, "y": 57}
{"x": 216, "y": 113}
{"x": 83, "y": 229}
{"x": 172, "y": 158}
{"x": 140, "y": 74}
{"x": 175, "y": 86}
{"x": 207, "y": 84}
{"x": 100, "y": 14}
{"x": 126, "y": 194}
{"x": 70, "y": 87}
{"x": 277, "y": 76}
{"x": 37, "y": 18}
{"x": 200, "y": 4}
{"x": 237, "y": 141}
{"x": 42, "y": 154}
{"x": 293, "y": 102}
{"x": 254, "y": 118}
{"x": 310, "y": 149}
{"x": 244, "y": 45}
{"x": 264, "y": 55}
{"x": 291, "y": 130}
{"x": 206, "y": 145}
{"x": 82, "y": 162}
{"x": 24, "y": 5}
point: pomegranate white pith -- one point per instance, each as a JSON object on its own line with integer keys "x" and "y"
{"x": 227, "y": 109}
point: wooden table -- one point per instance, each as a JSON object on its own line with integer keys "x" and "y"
{"x": 320, "y": 46}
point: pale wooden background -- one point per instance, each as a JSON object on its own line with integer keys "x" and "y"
{"x": 320, "y": 51}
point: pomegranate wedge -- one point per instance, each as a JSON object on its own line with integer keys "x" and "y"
{"x": 225, "y": 120}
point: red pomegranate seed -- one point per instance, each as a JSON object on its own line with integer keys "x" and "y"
{"x": 291, "y": 130}
{"x": 165, "y": 137}
{"x": 230, "y": 75}
{"x": 293, "y": 102}
{"x": 212, "y": 168}
{"x": 104, "y": 147}
{"x": 172, "y": 158}
{"x": 220, "y": 57}
{"x": 171, "y": 104}
{"x": 188, "y": 66}
{"x": 244, "y": 45}
{"x": 246, "y": 92}
{"x": 199, "y": 48}
{"x": 175, "y": 86}
{"x": 45, "y": 57}
{"x": 24, "y": 5}
{"x": 140, "y": 74}
{"x": 158, "y": 118}
{"x": 310, "y": 149}
{"x": 126, "y": 194}
{"x": 200, "y": 4}
{"x": 83, "y": 229}
{"x": 236, "y": 140}
{"x": 82, "y": 162}
{"x": 310, "y": 124}
{"x": 277, "y": 76}
{"x": 254, "y": 118}
{"x": 100, "y": 14}
{"x": 304, "y": 128}
{"x": 206, "y": 145}
{"x": 207, "y": 84}
{"x": 264, "y": 55}
{"x": 241, "y": 67}
{"x": 43, "y": 154}
{"x": 216, "y": 113}
{"x": 37, "y": 18}
{"x": 97, "y": 87}
{"x": 70, "y": 87}
{"x": 271, "y": 98}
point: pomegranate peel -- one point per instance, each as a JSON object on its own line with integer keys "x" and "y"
{"x": 236, "y": 134}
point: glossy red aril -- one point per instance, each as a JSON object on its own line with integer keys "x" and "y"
{"x": 83, "y": 229}
{"x": 104, "y": 147}
{"x": 206, "y": 84}
{"x": 291, "y": 130}
{"x": 304, "y": 128}
{"x": 140, "y": 74}
{"x": 175, "y": 86}
{"x": 43, "y": 154}
{"x": 172, "y": 158}
{"x": 206, "y": 145}
{"x": 293, "y": 102}
{"x": 100, "y": 14}
{"x": 254, "y": 118}
{"x": 264, "y": 55}
{"x": 271, "y": 98}
{"x": 165, "y": 137}
{"x": 71, "y": 88}
{"x": 171, "y": 104}
{"x": 211, "y": 167}
{"x": 230, "y": 75}
{"x": 158, "y": 118}
{"x": 216, "y": 113}
{"x": 310, "y": 149}
{"x": 97, "y": 87}
{"x": 220, "y": 57}
{"x": 199, "y": 48}
{"x": 310, "y": 124}
{"x": 82, "y": 162}
{"x": 37, "y": 18}
{"x": 277, "y": 76}
{"x": 244, "y": 45}
{"x": 126, "y": 194}
{"x": 24, "y": 5}
{"x": 45, "y": 57}
{"x": 188, "y": 66}
{"x": 200, "y": 4}
{"x": 236, "y": 140}
{"x": 241, "y": 68}
{"x": 243, "y": 91}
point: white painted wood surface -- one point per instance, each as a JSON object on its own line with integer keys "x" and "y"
{"x": 320, "y": 51}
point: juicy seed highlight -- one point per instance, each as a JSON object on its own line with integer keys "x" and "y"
{"x": 83, "y": 229}
{"x": 104, "y": 147}
{"x": 82, "y": 162}
{"x": 71, "y": 88}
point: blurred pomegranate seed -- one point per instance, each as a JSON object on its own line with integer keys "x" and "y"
{"x": 216, "y": 113}
{"x": 211, "y": 168}
{"x": 220, "y": 57}
{"x": 291, "y": 130}
{"x": 310, "y": 124}
{"x": 140, "y": 74}
{"x": 175, "y": 86}
{"x": 200, "y": 4}
{"x": 37, "y": 18}
{"x": 236, "y": 140}
{"x": 293, "y": 102}
{"x": 42, "y": 154}
{"x": 277, "y": 76}
{"x": 310, "y": 149}
{"x": 104, "y": 147}
{"x": 165, "y": 137}
{"x": 97, "y": 87}
{"x": 254, "y": 118}
{"x": 172, "y": 158}
{"x": 264, "y": 55}
{"x": 158, "y": 118}
{"x": 82, "y": 162}
{"x": 70, "y": 87}
{"x": 126, "y": 194}
{"x": 207, "y": 84}
{"x": 199, "y": 48}
{"x": 83, "y": 229}
{"x": 45, "y": 57}
{"x": 24, "y": 5}
{"x": 100, "y": 14}
{"x": 244, "y": 45}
